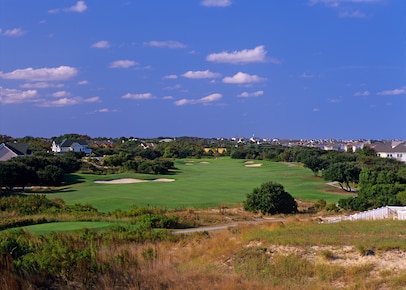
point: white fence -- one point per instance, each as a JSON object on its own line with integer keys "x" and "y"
{"x": 386, "y": 212}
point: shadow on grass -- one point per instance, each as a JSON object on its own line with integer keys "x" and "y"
{"x": 70, "y": 179}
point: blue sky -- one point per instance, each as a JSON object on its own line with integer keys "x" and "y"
{"x": 205, "y": 68}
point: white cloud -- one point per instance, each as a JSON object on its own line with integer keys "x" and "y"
{"x": 15, "y": 32}
{"x": 61, "y": 102}
{"x": 258, "y": 54}
{"x": 14, "y": 96}
{"x": 104, "y": 110}
{"x": 40, "y": 85}
{"x": 201, "y": 74}
{"x": 65, "y": 101}
{"x": 242, "y": 78}
{"x": 95, "y": 99}
{"x": 171, "y": 88}
{"x": 306, "y": 75}
{"x": 167, "y": 98}
{"x": 144, "y": 96}
{"x": 394, "y": 92}
{"x": 352, "y": 14}
{"x": 41, "y": 74}
{"x": 170, "y": 77}
{"x": 248, "y": 95}
{"x": 122, "y": 63}
{"x": 79, "y": 7}
{"x": 81, "y": 83}
{"x": 362, "y": 94}
{"x": 168, "y": 43}
{"x": 61, "y": 94}
{"x": 216, "y": 3}
{"x": 205, "y": 100}
{"x": 101, "y": 44}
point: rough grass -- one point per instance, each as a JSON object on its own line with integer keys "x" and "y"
{"x": 198, "y": 183}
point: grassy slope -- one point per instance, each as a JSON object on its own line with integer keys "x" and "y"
{"x": 221, "y": 181}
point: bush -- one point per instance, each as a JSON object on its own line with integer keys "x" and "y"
{"x": 270, "y": 198}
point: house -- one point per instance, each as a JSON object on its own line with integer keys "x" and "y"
{"x": 68, "y": 145}
{"x": 11, "y": 150}
{"x": 391, "y": 149}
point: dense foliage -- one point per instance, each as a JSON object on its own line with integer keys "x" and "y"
{"x": 270, "y": 198}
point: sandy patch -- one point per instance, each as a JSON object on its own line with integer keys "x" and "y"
{"x": 248, "y": 162}
{"x": 132, "y": 180}
{"x": 253, "y": 165}
{"x": 204, "y": 162}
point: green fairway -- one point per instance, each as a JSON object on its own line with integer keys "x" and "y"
{"x": 47, "y": 228}
{"x": 198, "y": 183}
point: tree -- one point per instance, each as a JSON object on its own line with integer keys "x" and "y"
{"x": 270, "y": 198}
{"x": 343, "y": 172}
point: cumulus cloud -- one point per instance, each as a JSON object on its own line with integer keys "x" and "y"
{"x": 144, "y": 96}
{"x": 95, "y": 99}
{"x": 216, "y": 3}
{"x": 242, "y": 78}
{"x": 15, "y": 32}
{"x": 41, "y": 74}
{"x": 201, "y": 74}
{"x": 205, "y": 100}
{"x": 400, "y": 91}
{"x": 40, "y": 85}
{"x": 362, "y": 94}
{"x": 249, "y": 95}
{"x": 65, "y": 101}
{"x": 82, "y": 83}
{"x": 79, "y": 7}
{"x": 15, "y": 96}
{"x": 101, "y": 44}
{"x": 257, "y": 54}
{"x": 168, "y": 43}
{"x": 122, "y": 63}
{"x": 170, "y": 77}
{"x": 61, "y": 94}
{"x": 62, "y": 102}
{"x": 104, "y": 110}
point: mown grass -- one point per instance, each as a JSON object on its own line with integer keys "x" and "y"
{"x": 63, "y": 227}
{"x": 198, "y": 183}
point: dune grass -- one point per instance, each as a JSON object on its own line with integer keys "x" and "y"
{"x": 198, "y": 183}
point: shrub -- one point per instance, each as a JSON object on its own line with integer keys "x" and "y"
{"x": 270, "y": 198}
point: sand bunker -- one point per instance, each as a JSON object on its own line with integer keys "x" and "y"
{"x": 132, "y": 180}
{"x": 204, "y": 162}
{"x": 253, "y": 165}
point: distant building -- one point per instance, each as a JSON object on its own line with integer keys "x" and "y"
{"x": 69, "y": 145}
{"x": 390, "y": 149}
{"x": 12, "y": 150}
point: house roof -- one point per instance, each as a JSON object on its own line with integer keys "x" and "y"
{"x": 69, "y": 142}
{"x": 390, "y": 147}
{"x": 18, "y": 148}
{"x": 11, "y": 150}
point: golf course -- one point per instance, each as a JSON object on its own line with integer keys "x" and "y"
{"x": 195, "y": 183}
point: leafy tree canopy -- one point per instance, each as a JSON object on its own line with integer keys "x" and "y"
{"x": 270, "y": 198}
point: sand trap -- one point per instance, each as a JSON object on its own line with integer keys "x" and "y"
{"x": 248, "y": 162}
{"x": 132, "y": 180}
{"x": 204, "y": 162}
{"x": 253, "y": 165}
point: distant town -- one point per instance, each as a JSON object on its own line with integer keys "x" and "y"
{"x": 12, "y": 147}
